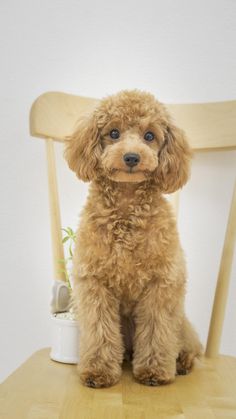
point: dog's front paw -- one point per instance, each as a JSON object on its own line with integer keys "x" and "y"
{"x": 153, "y": 377}
{"x": 98, "y": 377}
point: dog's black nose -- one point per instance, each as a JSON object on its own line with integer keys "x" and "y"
{"x": 131, "y": 159}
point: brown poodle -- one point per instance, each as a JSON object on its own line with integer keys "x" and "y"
{"x": 129, "y": 266}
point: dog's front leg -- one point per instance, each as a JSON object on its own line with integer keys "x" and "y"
{"x": 155, "y": 341}
{"x": 101, "y": 345}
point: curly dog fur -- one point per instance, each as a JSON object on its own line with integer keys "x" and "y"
{"x": 129, "y": 267}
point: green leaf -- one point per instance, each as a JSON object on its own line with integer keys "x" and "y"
{"x": 70, "y": 237}
{"x": 65, "y": 229}
{"x": 70, "y": 230}
{"x": 70, "y": 251}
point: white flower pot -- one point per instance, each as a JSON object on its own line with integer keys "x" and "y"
{"x": 65, "y": 341}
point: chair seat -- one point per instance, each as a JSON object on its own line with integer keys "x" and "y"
{"x": 45, "y": 389}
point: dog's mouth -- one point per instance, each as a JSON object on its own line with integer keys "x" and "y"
{"x": 132, "y": 170}
{"x": 130, "y": 174}
{"x": 129, "y": 170}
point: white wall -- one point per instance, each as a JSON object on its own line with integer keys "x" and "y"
{"x": 182, "y": 51}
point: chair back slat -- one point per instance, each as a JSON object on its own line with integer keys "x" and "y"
{"x": 209, "y": 126}
{"x": 54, "y": 114}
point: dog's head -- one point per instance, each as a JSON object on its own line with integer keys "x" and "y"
{"x": 130, "y": 137}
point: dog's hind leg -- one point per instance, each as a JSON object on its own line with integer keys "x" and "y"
{"x": 190, "y": 348}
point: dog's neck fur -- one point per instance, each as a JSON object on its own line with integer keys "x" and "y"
{"x": 125, "y": 195}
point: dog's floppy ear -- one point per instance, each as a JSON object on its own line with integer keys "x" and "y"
{"x": 82, "y": 148}
{"x": 174, "y": 160}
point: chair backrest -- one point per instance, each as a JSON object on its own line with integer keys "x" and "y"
{"x": 209, "y": 126}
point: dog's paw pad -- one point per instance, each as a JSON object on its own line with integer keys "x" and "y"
{"x": 90, "y": 383}
{"x": 182, "y": 371}
{"x": 98, "y": 379}
{"x": 151, "y": 382}
{"x": 152, "y": 378}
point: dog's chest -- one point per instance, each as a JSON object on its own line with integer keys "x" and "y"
{"x": 123, "y": 245}
{"x": 127, "y": 227}
{"x": 126, "y": 241}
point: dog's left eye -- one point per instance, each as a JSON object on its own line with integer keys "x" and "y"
{"x": 114, "y": 134}
{"x": 149, "y": 136}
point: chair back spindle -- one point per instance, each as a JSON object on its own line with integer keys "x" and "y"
{"x": 55, "y": 217}
{"x": 222, "y": 287}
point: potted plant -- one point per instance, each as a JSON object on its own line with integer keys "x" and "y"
{"x": 65, "y": 336}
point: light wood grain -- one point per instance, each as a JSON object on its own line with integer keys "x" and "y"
{"x": 43, "y": 389}
{"x": 54, "y": 114}
{"x": 55, "y": 217}
{"x": 221, "y": 293}
{"x": 209, "y": 126}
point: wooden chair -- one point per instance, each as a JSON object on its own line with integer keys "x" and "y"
{"x": 41, "y": 388}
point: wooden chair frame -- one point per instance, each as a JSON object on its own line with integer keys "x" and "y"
{"x": 209, "y": 126}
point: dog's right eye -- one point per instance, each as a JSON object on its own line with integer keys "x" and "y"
{"x": 114, "y": 134}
